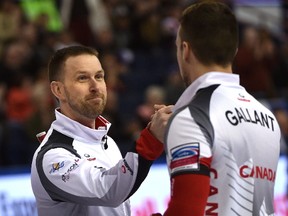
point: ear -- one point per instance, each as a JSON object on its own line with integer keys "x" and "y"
{"x": 57, "y": 89}
{"x": 188, "y": 54}
{"x": 186, "y": 50}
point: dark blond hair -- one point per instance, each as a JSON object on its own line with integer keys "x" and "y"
{"x": 58, "y": 59}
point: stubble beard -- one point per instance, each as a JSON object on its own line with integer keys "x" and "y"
{"x": 86, "y": 107}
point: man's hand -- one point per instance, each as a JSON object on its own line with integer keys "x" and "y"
{"x": 150, "y": 143}
{"x": 159, "y": 121}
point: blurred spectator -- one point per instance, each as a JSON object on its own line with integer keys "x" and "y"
{"x": 64, "y": 39}
{"x": 11, "y": 18}
{"x": 85, "y": 19}
{"x": 47, "y": 47}
{"x": 43, "y": 13}
{"x": 120, "y": 13}
{"x": 280, "y": 76}
{"x": 256, "y": 61}
{"x": 115, "y": 68}
{"x": 174, "y": 87}
{"x": 146, "y": 25}
{"x": 44, "y": 105}
{"x": 29, "y": 39}
{"x": 169, "y": 25}
{"x": 41, "y": 23}
{"x": 105, "y": 41}
{"x": 14, "y": 62}
{"x": 153, "y": 95}
{"x": 19, "y": 105}
{"x": 19, "y": 109}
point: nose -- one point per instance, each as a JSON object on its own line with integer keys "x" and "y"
{"x": 93, "y": 85}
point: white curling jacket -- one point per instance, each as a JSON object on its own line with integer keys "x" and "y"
{"x": 79, "y": 171}
{"x": 219, "y": 130}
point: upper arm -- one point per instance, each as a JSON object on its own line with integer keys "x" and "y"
{"x": 189, "y": 156}
{"x": 188, "y": 148}
{"x": 71, "y": 179}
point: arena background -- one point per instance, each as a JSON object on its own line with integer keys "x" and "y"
{"x": 16, "y": 197}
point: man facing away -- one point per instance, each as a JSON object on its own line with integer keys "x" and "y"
{"x": 78, "y": 169}
{"x": 222, "y": 145}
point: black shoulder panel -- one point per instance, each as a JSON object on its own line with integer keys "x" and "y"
{"x": 56, "y": 140}
{"x": 200, "y": 109}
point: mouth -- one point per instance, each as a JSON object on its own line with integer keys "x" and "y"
{"x": 94, "y": 96}
{"x": 96, "y": 99}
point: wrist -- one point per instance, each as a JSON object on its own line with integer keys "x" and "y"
{"x": 148, "y": 146}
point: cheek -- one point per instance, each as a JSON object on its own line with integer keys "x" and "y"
{"x": 104, "y": 88}
{"x": 178, "y": 54}
{"x": 75, "y": 91}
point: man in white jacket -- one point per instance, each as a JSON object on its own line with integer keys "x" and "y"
{"x": 222, "y": 145}
{"x": 78, "y": 169}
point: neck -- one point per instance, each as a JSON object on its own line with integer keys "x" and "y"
{"x": 79, "y": 118}
{"x": 200, "y": 69}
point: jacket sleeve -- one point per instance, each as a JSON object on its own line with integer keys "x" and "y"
{"x": 189, "y": 156}
{"x": 148, "y": 149}
{"x": 189, "y": 193}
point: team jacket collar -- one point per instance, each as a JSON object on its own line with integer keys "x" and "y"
{"x": 203, "y": 81}
{"x": 78, "y": 131}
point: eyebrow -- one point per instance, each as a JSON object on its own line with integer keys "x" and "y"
{"x": 100, "y": 71}
{"x": 84, "y": 72}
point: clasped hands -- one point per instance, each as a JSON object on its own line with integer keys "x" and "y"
{"x": 159, "y": 120}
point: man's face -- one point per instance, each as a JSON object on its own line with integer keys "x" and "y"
{"x": 84, "y": 87}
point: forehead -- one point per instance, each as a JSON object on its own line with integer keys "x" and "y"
{"x": 84, "y": 62}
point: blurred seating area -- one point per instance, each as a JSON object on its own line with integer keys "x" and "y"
{"x": 136, "y": 42}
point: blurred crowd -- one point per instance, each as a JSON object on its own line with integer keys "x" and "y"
{"x": 136, "y": 42}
